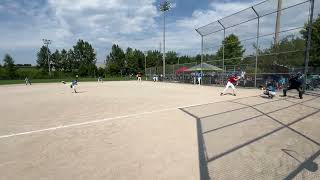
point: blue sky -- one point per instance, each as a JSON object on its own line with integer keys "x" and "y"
{"x": 134, "y": 23}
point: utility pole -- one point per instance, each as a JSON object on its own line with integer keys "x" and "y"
{"x": 47, "y": 42}
{"x": 164, "y": 7}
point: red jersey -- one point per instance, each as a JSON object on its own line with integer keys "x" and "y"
{"x": 233, "y": 79}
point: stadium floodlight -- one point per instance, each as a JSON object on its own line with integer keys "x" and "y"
{"x": 164, "y": 7}
{"x": 47, "y": 42}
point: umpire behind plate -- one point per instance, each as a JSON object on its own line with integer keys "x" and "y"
{"x": 295, "y": 82}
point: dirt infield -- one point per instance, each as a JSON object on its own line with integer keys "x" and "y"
{"x": 131, "y": 130}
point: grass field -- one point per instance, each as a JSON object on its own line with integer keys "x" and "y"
{"x": 7, "y": 82}
{"x": 146, "y": 130}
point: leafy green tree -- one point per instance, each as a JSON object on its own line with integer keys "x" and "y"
{"x": 101, "y": 72}
{"x": 281, "y": 57}
{"x": 84, "y": 57}
{"x": 42, "y": 58}
{"x": 185, "y": 59}
{"x": 71, "y": 63}
{"x": 2, "y": 73}
{"x": 171, "y": 57}
{"x": 9, "y": 66}
{"x": 315, "y": 42}
{"x": 154, "y": 58}
{"x": 291, "y": 44}
{"x": 115, "y": 60}
{"x": 56, "y": 60}
{"x": 139, "y": 56}
{"x": 92, "y": 70}
{"x": 113, "y": 69}
{"x": 83, "y": 70}
{"x": 131, "y": 64}
{"x": 64, "y": 61}
{"x": 197, "y": 59}
{"x": 232, "y": 49}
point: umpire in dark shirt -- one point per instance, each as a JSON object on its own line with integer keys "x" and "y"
{"x": 295, "y": 82}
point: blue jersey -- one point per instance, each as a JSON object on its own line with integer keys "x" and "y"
{"x": 74, "y": 82}
{"x": 282, "y": 81}
{"x": 271, "y": 88}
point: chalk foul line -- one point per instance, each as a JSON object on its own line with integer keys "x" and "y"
{"x": 103, "y": 120}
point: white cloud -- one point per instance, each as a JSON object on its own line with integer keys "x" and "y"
{"x": 217, "y": 11}
{"x": 122, "y": 16}
{"x": 125, "y": 22}
{"x": 101, "y": 22}
{"x": 220, "y": 10}
{"x": 186, "y": 36}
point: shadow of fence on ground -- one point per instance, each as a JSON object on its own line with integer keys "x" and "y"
{"x": 204, "y": 159}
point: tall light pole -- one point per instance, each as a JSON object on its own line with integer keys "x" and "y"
{"x": 164, "y": 7}
{"x": 47, "y": 42}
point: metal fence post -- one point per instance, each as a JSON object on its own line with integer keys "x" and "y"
{"x": 173, "y": 73}
{"x": 164, "y": 45}
{"x": 201, "y": 75}
{"x": 307, "y": 54}
{"x": 224, "y": 37}
{"x": 257, "y": 48}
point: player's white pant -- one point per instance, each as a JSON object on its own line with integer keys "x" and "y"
{"x": 229, "y": 84}
{"x": 272, "y": 93}
{"x": 139, "y": 78}
{"x": 74, "y": 87}
{"x": 199, "y": 80}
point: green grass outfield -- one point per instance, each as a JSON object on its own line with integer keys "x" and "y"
{"x": 7, "y": 82}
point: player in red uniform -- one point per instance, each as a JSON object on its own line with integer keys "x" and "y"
{"x": 231, "y": 81}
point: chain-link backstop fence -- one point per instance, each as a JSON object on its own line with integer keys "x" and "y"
{"x": 267, "y": 40}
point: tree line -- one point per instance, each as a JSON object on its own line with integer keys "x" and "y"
{"x": 81, "y": 58}
{"x": 132, "y": 61}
